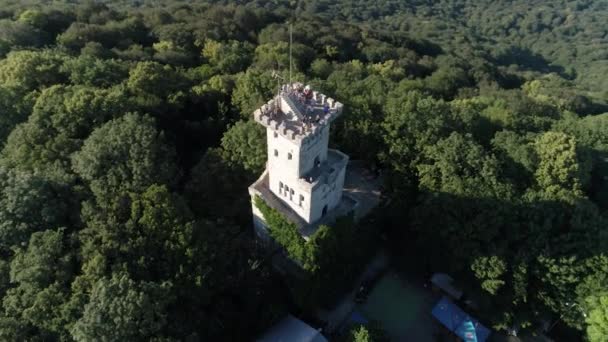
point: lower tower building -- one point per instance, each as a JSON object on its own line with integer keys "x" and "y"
{"x": 303, "y": 179}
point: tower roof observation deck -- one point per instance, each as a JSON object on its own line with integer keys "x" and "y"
{"x": 297, "y": 112}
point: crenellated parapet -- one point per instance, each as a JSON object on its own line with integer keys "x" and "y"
{"x": 298, "y": 113}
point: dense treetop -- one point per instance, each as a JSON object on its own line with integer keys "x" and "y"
{"x": 127, "y": 146}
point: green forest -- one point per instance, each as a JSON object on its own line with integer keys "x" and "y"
{"x": 128, "y": 144}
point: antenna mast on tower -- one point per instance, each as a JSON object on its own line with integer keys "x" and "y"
{"x": 290, "y": 47}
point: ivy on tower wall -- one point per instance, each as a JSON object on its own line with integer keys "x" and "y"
{"x": 332, "y": 257}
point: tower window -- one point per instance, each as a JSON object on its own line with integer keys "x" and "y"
{"x": 301, "y": 200}
{"x": 276, "y": 153}
{"x": 286, "y": 190}
{"x": 280, "y": 187}
{"x": 289, "y": 156}
{"x": 276, "y": 135}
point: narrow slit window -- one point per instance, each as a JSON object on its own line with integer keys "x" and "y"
{"x": 289, "y": 156}
{"x": 276, "y": 135}
{"x": 276, "y": 153}
{"x": 301, "y": 200}
{"x": 280, "y": 187}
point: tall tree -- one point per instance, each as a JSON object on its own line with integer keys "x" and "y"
{"x": 152, "y": 234}
{"x": 244, "y": 143}
{"x": 597, "y": 318}
{"x": 252, "y": 89}
{"x": 30, "y": 203}
{"x": 125, "y": 154}
{"x": 42, "y": 273}
{"x": 62, "y": 117}
{"x": 228, "y": 57}
{"x": 122, "y": 309}
{"x": 30, "y": 70}
{"x": 560, "y": 167}
{"x": 413, "y": 121}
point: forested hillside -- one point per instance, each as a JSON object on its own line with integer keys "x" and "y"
{"x": 128, "y": 145}
{"x": 566, "y": 37}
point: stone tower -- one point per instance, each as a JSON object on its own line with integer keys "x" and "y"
{"x": 303, "y": 177}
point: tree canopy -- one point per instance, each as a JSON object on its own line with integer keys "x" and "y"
{"x": 127, "y": 146}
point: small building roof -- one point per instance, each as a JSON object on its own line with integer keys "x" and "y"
{"x": 291, "y": 329}
{"x": 459, "y": 322}
{"x": 445, "y": 282}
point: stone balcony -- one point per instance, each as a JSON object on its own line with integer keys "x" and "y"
{"x": 326, "y": 172}
{"x": 360, "y": 195}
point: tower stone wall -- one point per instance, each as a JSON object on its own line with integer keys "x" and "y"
{"x": 303, "y": 178}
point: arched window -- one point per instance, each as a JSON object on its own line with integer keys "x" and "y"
{"x": 324, "y": 212}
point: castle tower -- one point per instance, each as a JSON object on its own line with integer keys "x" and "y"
{"x": 303, "y": 178}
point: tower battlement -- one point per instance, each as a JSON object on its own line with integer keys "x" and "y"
{"x": 298, "y": 113}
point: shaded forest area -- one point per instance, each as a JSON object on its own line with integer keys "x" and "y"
{"x": 128, "y": 145}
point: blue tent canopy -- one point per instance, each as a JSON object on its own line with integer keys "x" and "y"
{"x": 459, "y": 322}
